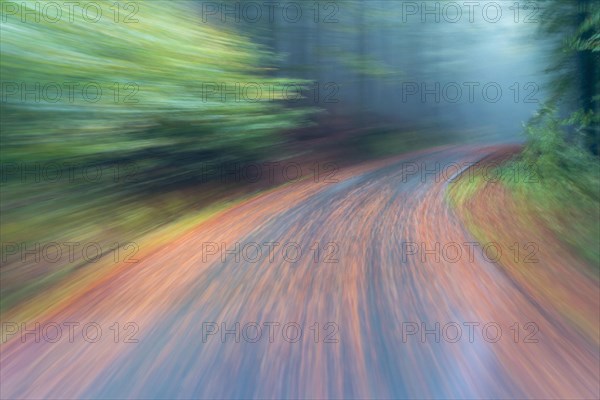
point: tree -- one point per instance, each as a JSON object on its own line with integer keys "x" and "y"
{"x": 576, "y": 65}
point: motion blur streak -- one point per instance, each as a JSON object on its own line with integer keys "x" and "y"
{"x": 429, "y": 228}
{"x": 368, "y": 294}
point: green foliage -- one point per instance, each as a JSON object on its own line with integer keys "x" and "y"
{"x": 561, "y": 150}
{"x": 155, "y": 74}
{"x": 548, "y": 147}
{"x": 565, "y": 191}
{"x": 575, "y": 68}
{"x": 153, "y": 116}
{"x": 577, "y": 20}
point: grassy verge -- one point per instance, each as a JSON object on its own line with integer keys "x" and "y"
{"x": 567, "y": 204}
{"x": 50, "y": 290}
{"x": 124, "y": 229}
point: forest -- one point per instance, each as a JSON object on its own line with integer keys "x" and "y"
{"x": 143, "y": 143}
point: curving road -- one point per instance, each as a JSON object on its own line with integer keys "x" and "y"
{"x": 362, "y": 300}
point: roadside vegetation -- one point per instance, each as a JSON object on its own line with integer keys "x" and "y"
{"x": 115, "y": 127}
{"x": 96, "y": 116}
{"x": 556, "y": 177}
